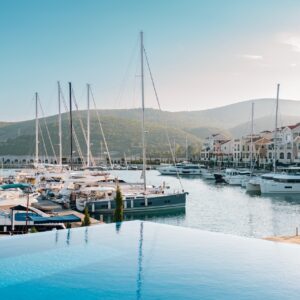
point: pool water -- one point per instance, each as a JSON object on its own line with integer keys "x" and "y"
{"x": 144, "y": 260}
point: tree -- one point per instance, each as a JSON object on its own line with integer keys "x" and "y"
{"x": 33, "y": 230}
{"x": 86, "y": 220}
{"x": 118, "y": 214}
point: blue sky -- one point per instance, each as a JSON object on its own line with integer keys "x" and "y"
{"x": 203, "y": 53}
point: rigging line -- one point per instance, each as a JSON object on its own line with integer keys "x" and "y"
{"x": 47, "y": 129}
{"x": 101, "y": 128}
{"x": 79, "y": 118}
{"x": 135, "y": 85}
{"x": 123, "y": 82}
{"x": 82, "y": 127}
{"x": 73, "y": 130}
{"x": 43, "y": 140}
{"x": 159, "y": 106}
{"x": 78, "y": 115}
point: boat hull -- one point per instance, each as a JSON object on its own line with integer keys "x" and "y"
{"x": 180, "y": 172}
{"x": 271, "y": 187}
{"x": 140, "y": 204}
{"x": 253, "y": 187}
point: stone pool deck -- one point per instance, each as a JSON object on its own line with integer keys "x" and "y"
{"x": 293, "y": 239}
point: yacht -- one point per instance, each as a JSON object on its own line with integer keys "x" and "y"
{"x": 17, "y": 193}
{"x": 207, "y": 174}
{"x": 236, "y": 177}
{"x": 253, "y": 185}
{"x": 102, "y": 199}
{"x": 287, "y": 182}
{"x": 181, "y": 169}
{"x": 138, "y": 197}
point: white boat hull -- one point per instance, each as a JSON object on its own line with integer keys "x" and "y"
{"x": 253, "y": 187}
{"x": 273, "y": 187}
{"x": 234, "y": 180}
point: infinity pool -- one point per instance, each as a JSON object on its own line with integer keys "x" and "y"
{"x": 143, "y": 260}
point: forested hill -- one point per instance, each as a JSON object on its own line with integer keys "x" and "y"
{"x": 122, "y": 128}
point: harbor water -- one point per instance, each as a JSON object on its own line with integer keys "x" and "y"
{"x": 223, "y": 208}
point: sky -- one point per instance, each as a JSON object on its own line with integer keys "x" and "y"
{"x": 203, "y": 54}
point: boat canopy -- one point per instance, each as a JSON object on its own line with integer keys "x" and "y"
{"x": 21, "y": 186}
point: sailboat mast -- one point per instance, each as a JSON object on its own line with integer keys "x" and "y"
{"x": 36, "y": 129}
{"x": 88, "y": 126}
{"x": 186, "y": 149}
{"x": 252, "y": 131}
{"x": 143, "y": 110}
{"x": 71, "y": 126}
{"x": 275, "y": 132}
{"x": 59, "y": 124}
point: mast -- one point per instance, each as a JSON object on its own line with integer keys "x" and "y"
{"x": 143, "y": 111}
{"x": 275, "y": 132}
{"x": 36, "y": 129}
{"x": 71, "y": 126}
{"x": 174, "y": 142}
{"x": 88, "y": 126}
{"x": 59, "y": 124}
{"x": 125, "y": 161}
{"x": 186, "y": 149}
{"x": 252, "y": 131}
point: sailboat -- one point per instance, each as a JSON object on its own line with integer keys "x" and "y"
{"x": 287, "y": 181}
{"x": 137, "y": 198}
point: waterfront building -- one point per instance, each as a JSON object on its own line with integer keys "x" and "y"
{"x": 218, "y": 147}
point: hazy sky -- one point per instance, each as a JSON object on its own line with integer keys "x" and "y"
{"x": 203, "y": 53}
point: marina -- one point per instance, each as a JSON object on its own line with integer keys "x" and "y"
{"x": 150, "y": 150}
{"x": 215, "y": 207}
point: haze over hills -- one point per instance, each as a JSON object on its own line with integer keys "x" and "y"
{"x": 122, "y": 128}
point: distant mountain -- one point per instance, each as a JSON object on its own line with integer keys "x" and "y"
{"x": 265, "y": 123}
{"x": 238, "y": 113}
{"x": 122, "y": 128}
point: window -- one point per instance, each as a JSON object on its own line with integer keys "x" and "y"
{"x": 270, "y": 155}
{"x": 289, "y": 155}
{"x": 281, "y": 155}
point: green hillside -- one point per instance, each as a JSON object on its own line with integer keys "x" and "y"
{"x": 122, "y": 132}
{"x": 122, "y": 128}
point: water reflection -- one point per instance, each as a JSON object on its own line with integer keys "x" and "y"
{"x": 291, "y": 199}
{"x": 118, "y": 226}
{"x": 68, "y": 237}
{"x": 140, "y": 263}
{"x": 149, "y": 216}
{"x": 56, "y": 236}
{"x": 86, "y": 235}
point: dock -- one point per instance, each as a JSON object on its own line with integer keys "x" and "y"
{"x": 55, "y": 209}
{"x": 78, "y": 214}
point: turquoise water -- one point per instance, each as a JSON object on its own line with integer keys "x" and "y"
{"x": 226, "y": 209}
{"x": 146, "y": 261}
